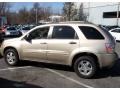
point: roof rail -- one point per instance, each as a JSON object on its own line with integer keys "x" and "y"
{"x": 73, "y": 22}
{"x": 66, "y": 22}
{"x": 70, "y": 22}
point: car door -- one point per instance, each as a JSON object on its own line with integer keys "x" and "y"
{"x": 63, "y": 41}
{"x": 34, "y": 45}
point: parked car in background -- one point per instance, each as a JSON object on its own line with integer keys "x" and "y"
{"x": 3, "y": 29}
{"x": 115, "y": 33}
{"x": 1, "y": 36}
{"x": 103, "y": 27}
{"x": 24, "y": 29}
{"x": 82, "y": 45}
{"x": 32, "y": 26}
{"x": 11, "y": 31}
{"x": 112, "y": 27}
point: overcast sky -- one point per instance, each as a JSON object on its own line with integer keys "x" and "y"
{"x": 56, "y": 6}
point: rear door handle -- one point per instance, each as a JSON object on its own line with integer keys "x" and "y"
{"x": 72, "y": 42}
{"x": 43, "y": 43}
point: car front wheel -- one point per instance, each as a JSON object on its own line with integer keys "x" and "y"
{"x": 11, "y": 57}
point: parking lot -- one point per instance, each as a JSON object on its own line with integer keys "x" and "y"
{"x": 42, "y": 75}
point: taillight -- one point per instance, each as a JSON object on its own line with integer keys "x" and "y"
{"x": 109, "y": 47}
{"x": 3, "y": 30}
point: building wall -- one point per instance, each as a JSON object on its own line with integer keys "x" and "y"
{"x": 95, "y": 10}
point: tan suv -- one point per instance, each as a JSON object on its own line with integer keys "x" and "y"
{"x": 82, "y": 45}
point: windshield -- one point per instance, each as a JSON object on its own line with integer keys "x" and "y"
{"x": 11, "y": 28}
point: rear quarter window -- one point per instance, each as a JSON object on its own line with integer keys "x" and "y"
{"x": 90, "y": 32}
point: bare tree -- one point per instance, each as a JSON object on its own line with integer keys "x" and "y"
{"x": 12, "y": 18}
{"x": 81, "y": 15}
{"x": 32, "y": 15}
{"x": 4, "y": 7}
{"x": 23, "y": 16}
{"x": 69, "y": 10}
{"x": 42, "y": 12}
{"x": 46, "y": 12}
{"x": 5, "y": 11}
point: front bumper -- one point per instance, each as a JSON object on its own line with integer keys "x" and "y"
{"x": 107, "y": 60}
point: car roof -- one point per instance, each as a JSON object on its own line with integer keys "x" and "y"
{"x": 69, "y": 23}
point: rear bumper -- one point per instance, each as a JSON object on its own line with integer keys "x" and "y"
{"x": 107, "y": 60}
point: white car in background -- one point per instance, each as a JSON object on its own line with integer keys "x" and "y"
{"x": 115, "y": 33}
{"x": 25, "y": 29}
{"x": 11, "y": 31}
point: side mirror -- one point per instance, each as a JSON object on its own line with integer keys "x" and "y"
{"x": 28, "y": 37}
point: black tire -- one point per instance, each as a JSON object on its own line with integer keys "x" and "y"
{"x": 91, "y": 64}
{"x": 16, "y": 59}
{"x": 1, "y": 56}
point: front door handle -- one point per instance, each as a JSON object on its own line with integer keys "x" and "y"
{"x": 72, "y": 42}
{"x": 43, "y": 43}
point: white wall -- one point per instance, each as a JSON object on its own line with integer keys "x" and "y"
{"x": 95, "y": 10}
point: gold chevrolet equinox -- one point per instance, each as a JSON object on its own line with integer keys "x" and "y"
{"x": 82, "y": 45}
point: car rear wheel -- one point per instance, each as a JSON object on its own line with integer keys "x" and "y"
{"x": 85, "y": 67}
{"x": 11, "y": 57}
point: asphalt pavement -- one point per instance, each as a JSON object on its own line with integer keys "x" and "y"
{"x": 31, "y": 74}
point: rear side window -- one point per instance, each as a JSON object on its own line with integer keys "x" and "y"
{"x": 91, "y": 33}
{"x": 63, "y": 32}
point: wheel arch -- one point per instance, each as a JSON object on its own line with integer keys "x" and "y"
{"x": 10, "y": 47}
{"x": 96, "y": 60}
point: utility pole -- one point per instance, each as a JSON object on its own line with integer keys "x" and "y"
{"x": 88, "y": 12}
{"x": 36, "y": 16}
{"x": 118, "y": 14}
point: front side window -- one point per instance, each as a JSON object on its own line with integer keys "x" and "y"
{"x": 40, "y": 33}
{"x": 91, "y": 33}
{"x": 63, "y": 32}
